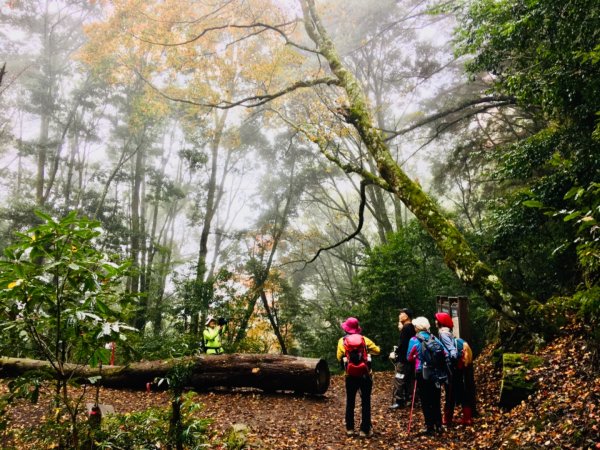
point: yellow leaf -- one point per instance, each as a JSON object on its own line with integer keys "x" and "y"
{"x": 15, "y": 283}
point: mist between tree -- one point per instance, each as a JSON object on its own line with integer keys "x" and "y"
{"x": 288, "y": 166}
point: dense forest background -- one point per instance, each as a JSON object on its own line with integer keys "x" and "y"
{"x": 222, "y": 161}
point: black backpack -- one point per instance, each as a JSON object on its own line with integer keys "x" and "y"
{"x": 436, "y": 366}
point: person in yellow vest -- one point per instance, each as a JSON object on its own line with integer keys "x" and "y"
{"x": 212, "y": 336}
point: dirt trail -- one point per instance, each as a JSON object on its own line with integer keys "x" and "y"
{"x": 285, "y": 421}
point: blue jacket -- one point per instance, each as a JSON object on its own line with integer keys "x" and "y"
{"x": 413, "y": 353}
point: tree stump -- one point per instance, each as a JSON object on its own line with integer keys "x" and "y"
{"x": 518, "y": 378}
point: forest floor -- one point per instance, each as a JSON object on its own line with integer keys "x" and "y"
{"x": 563, "y": 414}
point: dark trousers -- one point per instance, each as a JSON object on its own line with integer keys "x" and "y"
{"x": 365, "y": 386}
{"x": 430, "y": 396}
{"x": 461, "y": 390}
{"x": 403, "y": 382}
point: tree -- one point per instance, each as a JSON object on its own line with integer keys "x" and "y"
{"x": 544, "y": 55}
{"x": 60, "y": 294}
{"x": 56, "y": 26}
{"x": 455, "y": 249}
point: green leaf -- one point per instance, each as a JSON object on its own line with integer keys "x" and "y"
{"x": 533, "y": 204}
{"x": 43, "y": 215}
{"x": 95, "y": 379}
{"x": 572, "y": 216}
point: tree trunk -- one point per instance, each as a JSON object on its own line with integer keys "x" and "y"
{"x": 457, "y": 253}
{"x": 273, "y": 322}
{"x": 267, "y": 372}
{"x": 211, "y": 209}
{"x": 136, "y": 235}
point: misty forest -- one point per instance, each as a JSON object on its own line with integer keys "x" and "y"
{"x": 278, "y": 166}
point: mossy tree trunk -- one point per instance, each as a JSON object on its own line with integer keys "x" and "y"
{"x": 458, "y": 255}
{"x": 518, "y": 381}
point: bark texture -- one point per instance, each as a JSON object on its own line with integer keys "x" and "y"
{"x": 266, "y": 372}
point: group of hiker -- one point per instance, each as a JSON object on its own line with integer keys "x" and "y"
{"x": 425, "y": 364}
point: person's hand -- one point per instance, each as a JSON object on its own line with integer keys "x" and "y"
{"x": 392, "y": 356}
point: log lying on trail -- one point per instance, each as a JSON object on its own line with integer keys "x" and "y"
{"x": 267, "y": 372}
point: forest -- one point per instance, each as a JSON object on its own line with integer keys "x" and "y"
{"x": 284, "y": 165}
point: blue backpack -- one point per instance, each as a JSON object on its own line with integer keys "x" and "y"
{"x": 436, "y": 366}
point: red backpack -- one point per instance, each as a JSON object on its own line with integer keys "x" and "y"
{"x": 356, "y": 359}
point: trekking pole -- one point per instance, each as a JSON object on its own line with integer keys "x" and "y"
{"x": 412, "y": 406}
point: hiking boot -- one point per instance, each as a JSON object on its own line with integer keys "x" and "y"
{"x": 366, "y": 434}
{"x": 349, "y": 432}
{"x": 429, "y": 431}
{"x": 467, "y": 418}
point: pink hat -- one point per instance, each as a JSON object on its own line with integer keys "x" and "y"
{"x": 444, "y": 319}
{"x": 350, "y": 326}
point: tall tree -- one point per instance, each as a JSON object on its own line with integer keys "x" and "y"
{"x": 57, "y": 26}
{"x": 457, "y": 253}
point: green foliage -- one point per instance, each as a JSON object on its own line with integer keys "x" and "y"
{"x": 149, "y": 429}
{"x": 585, "y": 215}
{"x": 545, "y": 55}
{"x": 58, "y": 291}
{"x": 237, "y": 437}
{"x": 170, "y": 343}
{"x": 407, "y": 271}
{"x": 543, "y": 52}
{"x": 60, "y": 295}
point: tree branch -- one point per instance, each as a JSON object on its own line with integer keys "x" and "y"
{"x": 263, "y": 26}
{"x": 361, "y": 218}
{"x": 496, "y": 102}
{"x": 247, "y": 102}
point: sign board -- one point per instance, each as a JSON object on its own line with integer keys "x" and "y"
{"x": 458, "y": 309}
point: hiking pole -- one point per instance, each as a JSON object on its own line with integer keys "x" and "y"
{"x": 412, "y": 406}
{"x": 394, "y": 384}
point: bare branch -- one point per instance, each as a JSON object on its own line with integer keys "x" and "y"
{"x": 263, "y": 27}
{"x": 361, "y": 219}
{"x": 252, "y": 101}
{"x": 496, "y": 102}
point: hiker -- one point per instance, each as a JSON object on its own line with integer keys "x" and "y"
{"x": 405, "y": 371}
{"x": 212, "y": 335}
{"x": 461, "y": 390}
{"x": 428, "y": 386}
{"x": 353, "y": 352}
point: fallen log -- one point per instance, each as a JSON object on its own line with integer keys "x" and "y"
{"x": 267, "y": 372}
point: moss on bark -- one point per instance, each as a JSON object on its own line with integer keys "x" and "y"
{"x": 518, "y": 379}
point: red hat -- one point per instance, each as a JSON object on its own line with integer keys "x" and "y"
{"x": 444, "y": 319}
{"x": 350, "y": 326}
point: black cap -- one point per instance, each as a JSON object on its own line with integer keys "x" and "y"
{"x": 407, "y": 311}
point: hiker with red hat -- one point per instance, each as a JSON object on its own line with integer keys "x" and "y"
{"x": 461, "y": 389}
{"x": 353, "y": 351}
